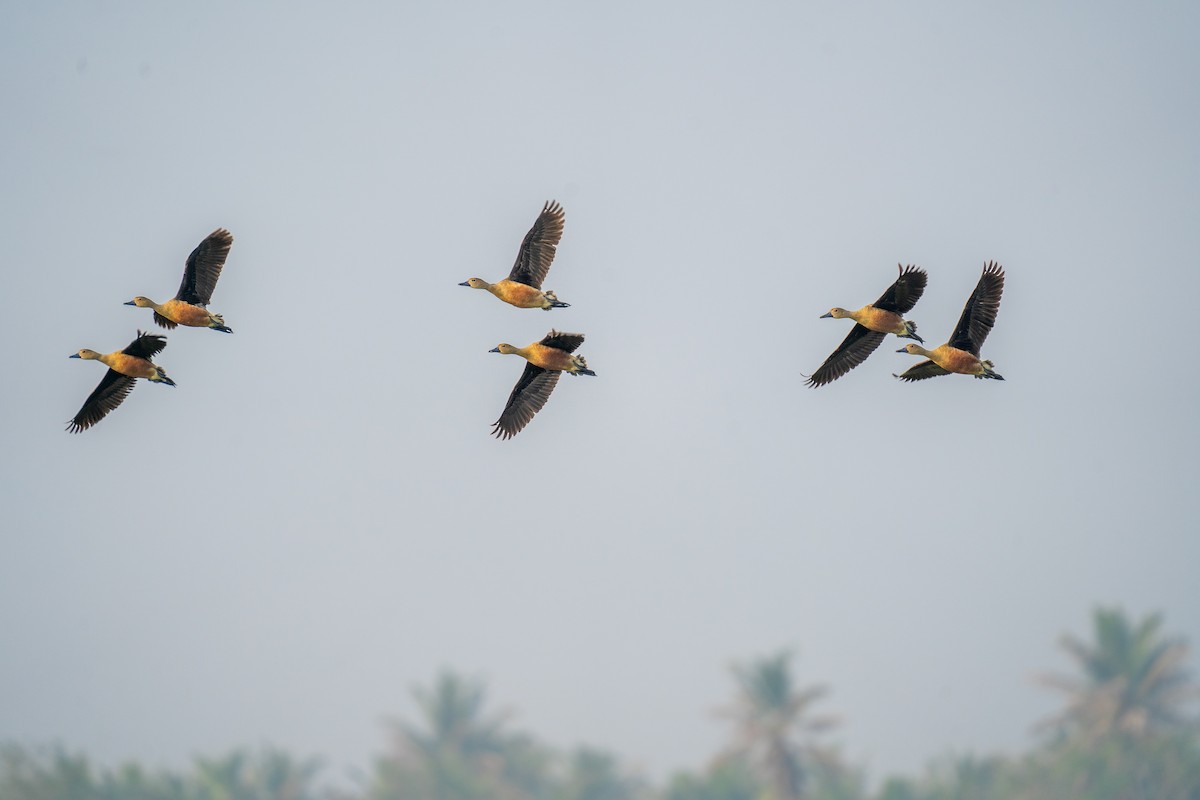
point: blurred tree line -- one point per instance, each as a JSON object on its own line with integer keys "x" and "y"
{"x": 1124, "y": 733}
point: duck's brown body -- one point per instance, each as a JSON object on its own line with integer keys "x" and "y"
{"x": 952, "y": 359}
{"x": 133, "y": 366}
{"x": 548, "y": 357}
{"x": 518, "y": 294}
{"x": 177, "y": 312}
{"x": 877, "y": 319}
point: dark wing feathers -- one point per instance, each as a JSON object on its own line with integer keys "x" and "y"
{"x": 163, "y": 322}
{"x": 204, "y": 267}
{"x": 926, "y": 369}
{"x": 527, "y": 398}
{"x": 853, "y": 350}
{"x": 979, "y": 314}
{"x": 537, "y": 250}
{"x": 111, "y": 391}
{"x": 563, "y": 341}
{"x": 902, "y": 295}
{"x": 146, "y": 345}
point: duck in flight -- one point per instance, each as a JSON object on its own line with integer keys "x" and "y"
{"x": 200, "y": 275}
{"x": 523, "y": 286}
{"x": 124, "y": 368}
{"x": 548, "y": 359}
{"x": 872, "y": 323}
{"x": 961, "y": 353}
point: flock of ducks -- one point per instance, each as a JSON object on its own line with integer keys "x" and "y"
{"x": 187, "y": 308}
{"x": 554, "y": 354}
{"x": 874, "y": 322}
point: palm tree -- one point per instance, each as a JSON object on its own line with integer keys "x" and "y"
{"x": 269, "y": 774}
{"x": 596, "y": 775}
{"x": 458, "y": 752}
{"x": 1133, "y": 680}
{"x": 774, "y": 726}
{"x": 44, "y": 775}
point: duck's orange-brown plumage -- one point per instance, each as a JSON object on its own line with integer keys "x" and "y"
{"x": 548, "y": 359}
{"x": 523, "y": 286}
{"x": 872, "y": 324}
{"x": 961, "y": 355}
{"x": 124, "y": 368}
{"x": 200, "y": 274}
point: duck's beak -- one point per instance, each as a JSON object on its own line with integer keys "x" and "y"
{"x": 465, "y": 283}
{"x": 494, "y": 350}
{"x": 73, "y": 355}
{"x": 827, "y": 314}
{"x": 131, "y": 303}
{"x": 902, "y": 350}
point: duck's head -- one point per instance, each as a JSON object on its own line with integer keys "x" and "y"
{"x": 141, "y": 302}
{"x": 836, "y": 313}
{"x": 503, "y": 347}
{"x": 912, "y": 349}
{"x": 85, "y": 354}
{"x": 475, "y": 283}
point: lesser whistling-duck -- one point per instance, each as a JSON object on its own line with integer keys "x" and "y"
{"x": 124, "y": 368}
{"x": 523, "y": 286}
{"x": 199, "y": 280}
{"x": 548, "y": 359}
{"x": 961, "y": 353}
{"x": 872, "y": 324}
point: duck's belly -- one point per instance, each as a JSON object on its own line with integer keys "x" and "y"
{"x": 129, "y": 365}
{"x": 879, "y": 320}
{"x": 520, "y": 294}
{"x": 186, "y": 314}
{"x": 954, "y": 360}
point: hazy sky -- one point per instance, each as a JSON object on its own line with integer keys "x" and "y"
{"x": 316, "y": 519}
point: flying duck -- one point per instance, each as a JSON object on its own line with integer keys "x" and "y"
{"x": 523, "y": 286}
{"x": 199, "y": 280}
{"x": 872, "y": 324}
{"x": 548, "y": 359}
{"x": 124, "y": 368}
{"x": 961, "y": 353}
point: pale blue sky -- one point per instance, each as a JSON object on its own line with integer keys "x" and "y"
{"x": 316, "y": 519}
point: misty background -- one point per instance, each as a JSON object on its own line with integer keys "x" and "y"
{"x": 316, "y": 519}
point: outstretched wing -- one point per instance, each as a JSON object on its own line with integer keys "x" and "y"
{"x": 108, "y": 394}
{"x": 146, "y": 345}
{"x": 902, "y": 295}
{"x": 538, "y": 248}
{"x": 204, "y": 267}
{"x": 527, "y": 398}
{"x": 926, "y": 369}
{"x": 563, "y": 341}
{"x": 853, "y": 350}
{"x": 979, "y": 314}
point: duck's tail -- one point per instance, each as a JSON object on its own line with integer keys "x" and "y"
{"x": 581, "y": 367}
{"x": 162, "y": 378}
{"x": 554, "y": 301}
{"x": 218, "y": 324}
{"x": 910, "y": 331}
{"x": 988, "y": 372}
